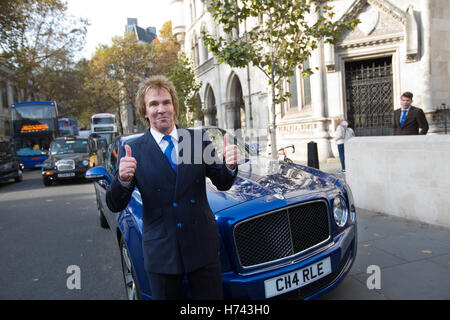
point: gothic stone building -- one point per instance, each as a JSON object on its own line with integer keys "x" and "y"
{"x": 399, "y": 46}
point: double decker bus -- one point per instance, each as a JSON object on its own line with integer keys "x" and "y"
{"x": 34, "y": 125}
{"x": 68, "y": 126}
{"x": 105, "y": 125}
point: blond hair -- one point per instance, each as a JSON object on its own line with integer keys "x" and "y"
{"x": 156, "y": 82}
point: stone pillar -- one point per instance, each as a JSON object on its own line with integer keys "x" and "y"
{"x": 321, "y": 136}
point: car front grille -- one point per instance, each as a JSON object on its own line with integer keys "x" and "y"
{"x": 280, "y": 234}
{"x": 65, "y": 165}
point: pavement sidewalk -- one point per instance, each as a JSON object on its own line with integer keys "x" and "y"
{"x": 331, "y": 166}
{"x": 413, "y": 257}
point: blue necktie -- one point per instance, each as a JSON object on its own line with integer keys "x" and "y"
{"x": 169, "y": 150}
{"x": 402, "y": 118}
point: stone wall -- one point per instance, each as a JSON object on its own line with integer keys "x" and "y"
{"x": 405, "y": 176}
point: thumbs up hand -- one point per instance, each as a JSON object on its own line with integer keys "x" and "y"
{"x": 230, "y": 152}
{"x": 127, "y": 165}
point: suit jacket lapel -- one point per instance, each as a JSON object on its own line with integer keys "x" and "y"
{"x": 397, "y": 114}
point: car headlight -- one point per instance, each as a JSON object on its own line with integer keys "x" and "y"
{"x": 48, "y": 165}
{"x": 340, "y": 211}
{"x": 85, "y": 162}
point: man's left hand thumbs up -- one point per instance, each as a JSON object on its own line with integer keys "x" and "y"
{"x": 230, "y": 152}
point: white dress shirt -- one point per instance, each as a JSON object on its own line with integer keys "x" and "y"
{"x": 163, "y": 143}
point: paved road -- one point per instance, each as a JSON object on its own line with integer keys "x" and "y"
{"x": 43, "y": 231}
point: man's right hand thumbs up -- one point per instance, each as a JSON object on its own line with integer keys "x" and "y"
{"x": 127, "y": 165}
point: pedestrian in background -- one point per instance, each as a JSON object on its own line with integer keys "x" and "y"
{"x": 409, "y": 119}
{"x": 342, "y": 133}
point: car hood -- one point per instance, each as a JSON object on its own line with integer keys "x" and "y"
{"x": 266, "y": 178}
{"x": 71, "y": 156}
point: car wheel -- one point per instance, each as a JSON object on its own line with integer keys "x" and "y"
{"x": 103, "y": 222}
{"x": 47, "y": 182}
{"x": 19, "y": 176}
{"x": 131, "y": 286}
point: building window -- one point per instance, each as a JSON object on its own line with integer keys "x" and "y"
{"x": 293, "y": 100}
{"x": 306, "y": 86}
{"x": 16, "y": 95}
{"x": 195, "y": 50}
{"x": 4, "y": 94}
{"x": 204, "y": 47}
{"x": 193, "y": 10}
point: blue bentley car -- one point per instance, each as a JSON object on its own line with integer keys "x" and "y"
{"x": 286, "y": 231}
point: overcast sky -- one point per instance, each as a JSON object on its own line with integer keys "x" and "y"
{"x": 109, "y": 17}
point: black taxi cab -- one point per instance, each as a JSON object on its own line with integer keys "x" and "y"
{"x": 10, "y": 165}
{"x": 68, "y": 159}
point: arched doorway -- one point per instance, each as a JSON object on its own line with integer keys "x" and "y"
{"x": 211, "y": 108}
{"x": 236, "y": 107}
{"x": 198, "y": 114}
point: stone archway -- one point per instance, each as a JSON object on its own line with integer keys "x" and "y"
{"x": 236, "y": 118}
{"x": 210, "y": 107}
{"x": 198, "y": 117}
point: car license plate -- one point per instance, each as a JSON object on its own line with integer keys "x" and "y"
{"x": 66, "y": 175}
{"x": 296, "y": 279}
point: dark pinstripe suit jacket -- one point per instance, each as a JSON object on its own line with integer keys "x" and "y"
{"x": 414, "y": 121}
{"x": 179, "y": 230}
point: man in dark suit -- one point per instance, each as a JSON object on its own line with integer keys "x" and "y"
{"x": 408, "y": 119}
{"x": 179, "y": 231}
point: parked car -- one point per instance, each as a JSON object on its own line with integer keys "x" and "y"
{"x": 10, "y": 165}
{"x": 68, "y": 159}
{"x": 286, "y": 231}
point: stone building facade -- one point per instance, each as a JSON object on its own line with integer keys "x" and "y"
{"x": 8, "y": 95}
{"x": 399, "y": 46}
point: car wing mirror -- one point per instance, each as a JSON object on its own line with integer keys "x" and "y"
{"x": 97, "y": 173}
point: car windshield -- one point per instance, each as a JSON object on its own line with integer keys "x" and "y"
{"x": 216, "y": 135}
{"x": 105, "y": 120}
{"x": 69, "y": 146}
